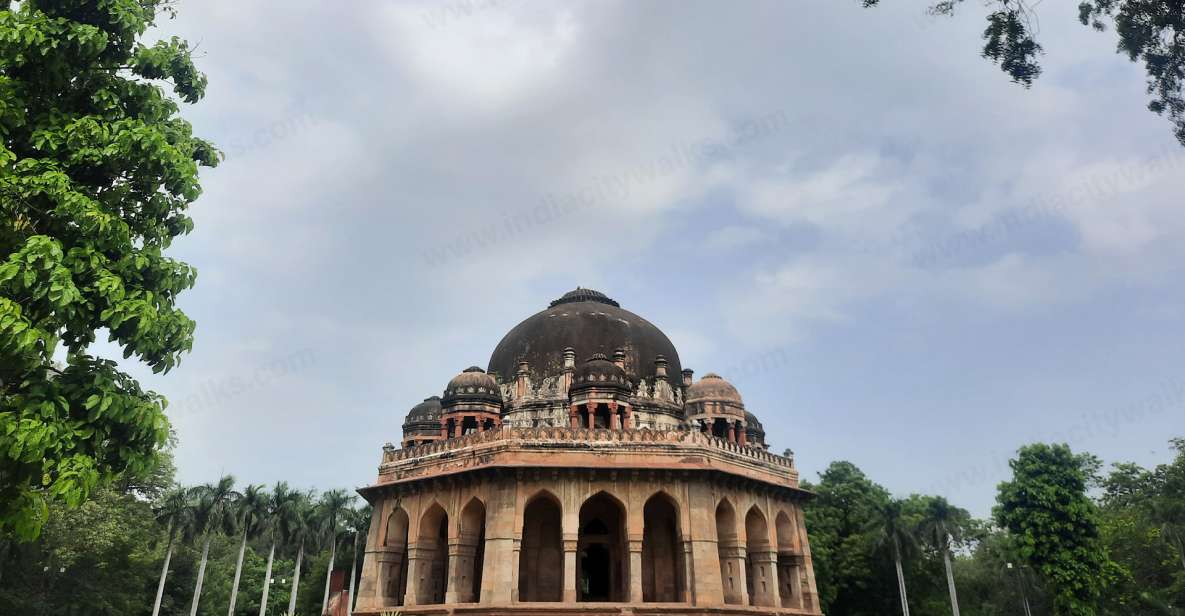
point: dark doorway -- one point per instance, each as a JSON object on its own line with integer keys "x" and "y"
{"x": 595, "y": 573}
{"x": 662, "y": 555}
{"x": 602, "y": 572}
{"x": 541, "y": 561}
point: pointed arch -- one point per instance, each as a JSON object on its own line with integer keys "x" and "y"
{"x": 729, "y": 552}
{"x": 789, "y": 581}
{"x": 393, "y": 570}
{"x": 541, "y": 559}
{"x": 432, "y": 547}
{"x": 662, "y": 553}
{"x": 756, "y": 529}
{"x": 602, "y": 563}
{"x": 472, "y": 551}
{"x": 787, "y": 538}
{"x": 758, "y": 568}
{"x": 397, "y": 526}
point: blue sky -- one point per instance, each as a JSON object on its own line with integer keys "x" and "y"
{"x": 900, "y": 258}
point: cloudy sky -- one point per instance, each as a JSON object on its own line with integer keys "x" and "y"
{"x": 899, "y": 257}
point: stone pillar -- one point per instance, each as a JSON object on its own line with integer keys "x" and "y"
{"x": 733, "y": 574}
{"x": 742, "y": 438}
{"x": 635, "y": 595}
{"x": 460, "y": 575}
{"x": 627, "y": 418}
{"x": 481, "y": 424}
{"x": 592, "y": 415}
{"x": 795, "y": 572}
{"x": 389, "y": 562}
{"x": 515, "y": 563}
{"x": 370, "y": 587}
{"x": 810, "y": 594}
{"x": 415, "y": 565}
{"x": 443, "y": 428}
{"x": 732, "y": 432}
{"x": 706, "y": 587}
{"x": 686, "y": 569}
{"x": 569, "y": 582}
{"x": 765, "y": 578}
{"x": 614, "y": 424}
{"x": 574, "y": 416}
{"x": 499, "y": 583}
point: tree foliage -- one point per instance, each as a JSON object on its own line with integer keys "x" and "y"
{"x": 1149, "y": 31}
{"x": 1055, "y": 525}
{"x": 97, "y": 171}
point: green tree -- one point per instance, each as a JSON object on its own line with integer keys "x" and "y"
{"x": 333, "y": 505}
{"x": 175, "y": 509}
{"x": 892, "y": 528}
{"x": 250, "y": 515}
{"x": 297, "y": 523}
{"x": 1149, "y": 31}
{"x": 849, "y": 577}
{"x": 97, "y": 170}
{"x": 1056, "y": 526}
{"x": 213, "y": 512}
{"x": 943, "y": 525}
{"x": 278, "y": 507}
{"x": 100, "y": 558}
{"x": 358, "y": 523}
{"x": 1141, "y": 513}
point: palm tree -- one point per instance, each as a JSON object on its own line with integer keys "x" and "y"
{"x": 891, "y": 528}
{"x": 175, "y": 510}
{"x": 297, "y": 522}
{"x": 212, "y": 512}
{"x": 250, "y": 513}
{"x": 942, "y": 524}
{"x": 333, "y": 504}
{"x": 358, "y": 521}
{"x": 277, "y": 506}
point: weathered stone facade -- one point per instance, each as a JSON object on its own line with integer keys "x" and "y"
{"x": 597, "y": 487}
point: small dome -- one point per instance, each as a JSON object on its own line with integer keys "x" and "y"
{"x": 473, "y": 384}
{"x": 598, "y": 371}
{"x": 426, "y": 411}
{"x": 423, "y": 419}
{"x": 713, "y": 388}
{"x": 754, "y": 431}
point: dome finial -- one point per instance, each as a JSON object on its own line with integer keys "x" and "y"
{"x": 581, "y": 294}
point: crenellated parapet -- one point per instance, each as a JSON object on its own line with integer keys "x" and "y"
{"x": 510, "y": 447}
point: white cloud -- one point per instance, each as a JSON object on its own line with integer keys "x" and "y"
{"x": 732, "y": 237}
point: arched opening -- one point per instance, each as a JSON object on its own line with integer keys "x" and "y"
{"x": 662, "y": 556}
{"x": 789, "y": 584}
{"x": 601, "y": 418}
{"x": 472, "y": 552}
{"x": 432, "y": 568}
{"x": 720, "y": 428}
{"x": 758, "y": 566}
{"x": 729, "y": 552}
{"x": 394, "y": 566}
{"x": 541, "y": 558}
{"x": 601, "y": 565}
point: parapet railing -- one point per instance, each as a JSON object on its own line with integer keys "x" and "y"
{"x": 585, "y": 435}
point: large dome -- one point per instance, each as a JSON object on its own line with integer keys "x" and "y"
{"x": 590, "y": 323}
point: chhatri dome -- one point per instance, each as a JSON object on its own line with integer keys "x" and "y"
{"x": 585, "y": 465}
